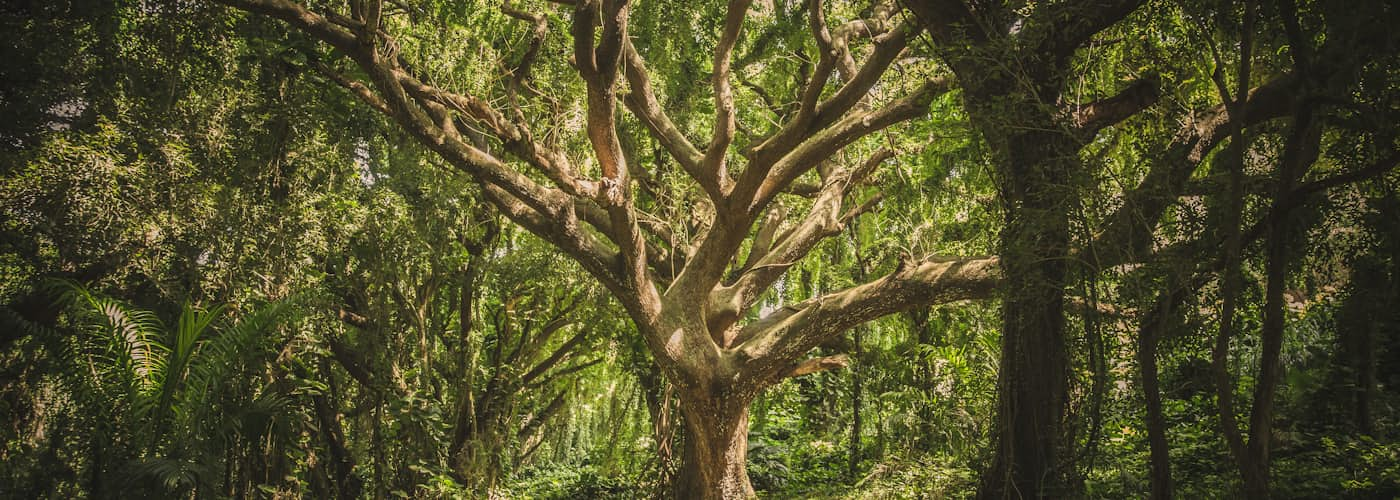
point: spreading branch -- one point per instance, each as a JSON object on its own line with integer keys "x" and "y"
{"x": 1090, "y": 118}
{"x": 713, "y": 163}
{"x": 1129, "y": 230}
{"x": 788, "y": 333}
{"x": 815, "y": 365}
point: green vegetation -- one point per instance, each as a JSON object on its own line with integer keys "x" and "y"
{"x": 661, "y": 249}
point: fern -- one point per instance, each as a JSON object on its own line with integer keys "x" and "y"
{"x": 157, "y": 393}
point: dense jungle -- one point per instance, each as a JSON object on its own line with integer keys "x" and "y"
{"x": 578, "y": 249}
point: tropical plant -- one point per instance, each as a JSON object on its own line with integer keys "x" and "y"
{"x": 162, "y": 400}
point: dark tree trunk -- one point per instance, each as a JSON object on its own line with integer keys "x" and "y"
{"x": 1299, "y": 152}
{"x": 1149, "y": 335}
{"x": 1357, "y": 331}
{"x": 1032, "y": 384}
{"x": 1365, "y": 378}
{"x": 347, "y": 484}
{"x": 1031, "y": 388}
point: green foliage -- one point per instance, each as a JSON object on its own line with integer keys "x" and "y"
{"x": 571, "y": 482}
{"x": 173, "y": 154}
{"x": 159, "y": 400}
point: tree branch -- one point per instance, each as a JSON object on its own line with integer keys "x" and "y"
{"x": 641, "y": 100}
{"x": 1058, "y": 29}
{"x": 561, "y": 354}
{"x": 824, "y": 220}
{"x": 827, "y": 142}
{"x": 812, "y": 114}
{"x": 713, "y": 163}
{"x": 815, "y": 365}
{"x": 1129, "y": 231}
{"x": 565, "y": 372}
{"x": 775, "y": 341}
{"x": 1090, "y": 118}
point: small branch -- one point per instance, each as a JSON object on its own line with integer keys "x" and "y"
{"x": 520, "y": 75}
{"x": 564, "y": 372}
{"x": 812, "y": 114}
{"x": 356, "y": 88}
{"x": 843, "y": 132}
{"x": 560, "y": 354}
{"x": 352, "y": 318}
{"x": 534, "y": 422}
{"x": 1380, "y": 167}
{"x": 1064, "y": 27}
{"x": 642, "y": 101}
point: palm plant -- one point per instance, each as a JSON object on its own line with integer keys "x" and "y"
{"x": 160, "y": 399}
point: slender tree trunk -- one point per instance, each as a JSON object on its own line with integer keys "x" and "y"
{"x": 1359, "y": 327}
{"x": 1361, "y": 342}
{"x": 1149, "y": 335}
{"x": 1299, "y": 153}
{"x": 347, "y": 484}
{"x": 97, "y": 464}
{"x": 858, "y": 351}
{"x": 853, "y": 471}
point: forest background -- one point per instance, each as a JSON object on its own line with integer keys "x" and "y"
{"x": 792, "y": 249}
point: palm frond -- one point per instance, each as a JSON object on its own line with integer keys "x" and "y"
{"x": 221, "y": 354}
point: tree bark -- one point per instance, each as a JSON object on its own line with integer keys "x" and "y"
{"x": 853, "y": 469}
{"x": 1034, "y": 365}
{"x": 658, "y": 395}
{"x": 1038, "y": 189}
{"x": 715, "y": 450}
{"x": 1149, "y": 335}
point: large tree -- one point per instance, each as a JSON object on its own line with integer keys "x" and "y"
{"x": 693, "y": 301}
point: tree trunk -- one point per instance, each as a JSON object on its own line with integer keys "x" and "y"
{"x": 1358, "y": 328}
{"x": 1299, "y": 153}
{"x": 716, "y": 448}
{"x": 853, "y": 470}
{"x": 1149, "y": 335}
{"x": 1031, "y": 397}
{"x": 1034, "y": 373}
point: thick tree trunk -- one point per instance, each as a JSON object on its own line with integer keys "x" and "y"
{"x": 1031, "y": 390}
{"x": 1034, "y": 361}
{"x": 716, "y": 449}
